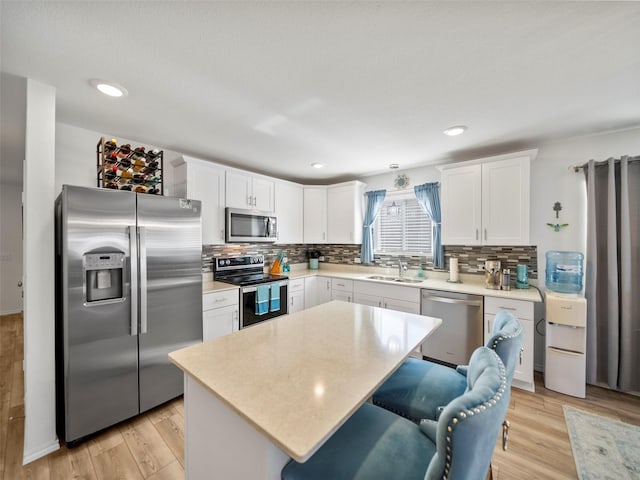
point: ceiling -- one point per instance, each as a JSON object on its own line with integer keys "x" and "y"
{"x": 275, "y": 86}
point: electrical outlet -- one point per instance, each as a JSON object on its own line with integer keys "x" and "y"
{"x": 357, "y": 260}
{"x": 321, "y": 258}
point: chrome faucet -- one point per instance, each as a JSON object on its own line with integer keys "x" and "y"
{"x": 402, "y": 267}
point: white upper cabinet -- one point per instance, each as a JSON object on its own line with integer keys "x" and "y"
{"x": 245, "y": 190}
{"x": 289, "y": 212}
{"x": 345, "y": 207}
{"x": 461, "y": 198}
{"x": 487, "y": 202}
{"x": 315, "y": 214}
{"x": 201, "y": 180}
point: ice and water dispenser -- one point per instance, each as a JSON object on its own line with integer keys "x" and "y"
{"x": 103, "y": 277}
{"x": 566, "y": 324}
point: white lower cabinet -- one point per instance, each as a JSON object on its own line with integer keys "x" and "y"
{"x": 220, "y": 314}
{"x": 323, "y": 290}
{"x": 296, "y": 295}
{"x": 523, "y": 310}
{"x": 342, "y": 289}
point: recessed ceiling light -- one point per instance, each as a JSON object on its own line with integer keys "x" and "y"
{"x": 317, "y": 165}
{"x": 455, "y": 130}
{"x": 109, "y": 88}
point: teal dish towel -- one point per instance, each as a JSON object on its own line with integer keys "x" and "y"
{"x": 262, "y": 299}
{"x": 275, "y": 297}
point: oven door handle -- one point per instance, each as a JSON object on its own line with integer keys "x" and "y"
{"x": 253, "y": 288}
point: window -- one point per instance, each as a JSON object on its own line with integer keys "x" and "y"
{"x": 407, "y": 232}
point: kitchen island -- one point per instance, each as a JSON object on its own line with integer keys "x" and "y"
{"x": 280, "y": 389}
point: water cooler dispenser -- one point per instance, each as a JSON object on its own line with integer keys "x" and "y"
{"x": 566, "y": 343}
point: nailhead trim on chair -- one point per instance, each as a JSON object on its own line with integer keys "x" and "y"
{"x": 462, "y": 415}
{"x": 506, "y": 337}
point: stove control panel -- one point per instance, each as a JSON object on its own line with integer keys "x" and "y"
{"x": 238, "y": 263}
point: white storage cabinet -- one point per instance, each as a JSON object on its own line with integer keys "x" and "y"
{"x": 245, "y": 190}
{"x": 393, "y": 297}
{"x": 345, "y": 211}
{"x": 342, "y": 289}
{"x": 487, "y": 201}
{"x": 201, "y": 180}
{"x": 220, "y": 313}
{"x": 315, "y": 215}
{"x": 523, "y": 310}
{"x": 289, "y": 212}
{"x": 296, "y": 295}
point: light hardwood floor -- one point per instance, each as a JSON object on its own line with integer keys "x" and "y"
{"x": 150, "y": 446}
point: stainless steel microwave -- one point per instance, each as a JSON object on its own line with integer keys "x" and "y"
{"x": 250, "y": 226}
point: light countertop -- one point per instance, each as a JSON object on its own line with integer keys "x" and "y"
{"x": 298, "y": 377}
{"x": 210, "y": 286}
{"x": 472, "y": 284}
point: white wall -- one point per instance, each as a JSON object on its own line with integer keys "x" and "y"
{"x": 39, "y": 348}
{"x": 417, "y": 176}
{"x": 76, "y": 157}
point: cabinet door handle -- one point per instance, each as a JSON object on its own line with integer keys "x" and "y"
{"x": 485, "y": 233}
{"x": 476, "y": 234}
{"x": 249, "y": 200}
{"x": 222, "y": 234}
{"x": 380, "y": 303}
{"x": 324, "y": 235}
{"x": 349, "y": 298}
{"x": 521, "y": 350}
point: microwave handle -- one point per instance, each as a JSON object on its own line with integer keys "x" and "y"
{"x": 271, "y": 227}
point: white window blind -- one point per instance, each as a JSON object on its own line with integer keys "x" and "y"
{"x": 408, "y": 232}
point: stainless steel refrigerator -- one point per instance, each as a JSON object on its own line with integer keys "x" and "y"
{"x": 129, "y": 291}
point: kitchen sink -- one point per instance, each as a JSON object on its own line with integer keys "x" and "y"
{"x": 394, "y": 279}
{"x": 382, "y": 277}
{"x": 407, "y": 280}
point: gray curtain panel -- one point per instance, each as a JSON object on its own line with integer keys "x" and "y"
{"x": 612, "y": 285}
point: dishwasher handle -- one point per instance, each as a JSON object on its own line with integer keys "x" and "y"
{"x": 458, "y": 301}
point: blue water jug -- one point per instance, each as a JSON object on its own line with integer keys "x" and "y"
{"x": 564, "y": 271}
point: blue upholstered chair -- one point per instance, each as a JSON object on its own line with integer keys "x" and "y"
{"x": 376, "y": 444}
{"x": 419, "y": 389}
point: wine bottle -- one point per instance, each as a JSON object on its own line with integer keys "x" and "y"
{"x": 124, "y": 151}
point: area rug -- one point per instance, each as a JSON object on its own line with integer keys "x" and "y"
{"x": 603, "y": 448}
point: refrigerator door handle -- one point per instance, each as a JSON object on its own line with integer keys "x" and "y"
{"x": 133, "y": 261}
{"x": 143, "y": 279}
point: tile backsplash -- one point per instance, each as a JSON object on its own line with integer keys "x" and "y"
{"x": 470, "y": 258}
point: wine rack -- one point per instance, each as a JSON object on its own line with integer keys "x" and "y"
{"x": 119, "y": 167}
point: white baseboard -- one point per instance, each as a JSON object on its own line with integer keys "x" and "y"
{"x": 9, "y": 312}
{"x": 46, "y": 450}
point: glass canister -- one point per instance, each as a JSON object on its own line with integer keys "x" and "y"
{"x": 564, "y": 271}
{"x": 522, "y": 276}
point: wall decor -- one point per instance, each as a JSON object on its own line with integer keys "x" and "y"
{"x": 401, "y": 181}
{"x": 557, "y": 207}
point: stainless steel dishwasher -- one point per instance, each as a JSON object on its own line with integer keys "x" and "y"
{"x": 461, "y": 330}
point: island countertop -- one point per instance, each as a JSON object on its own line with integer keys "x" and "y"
{"x": 297, "y": 378}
